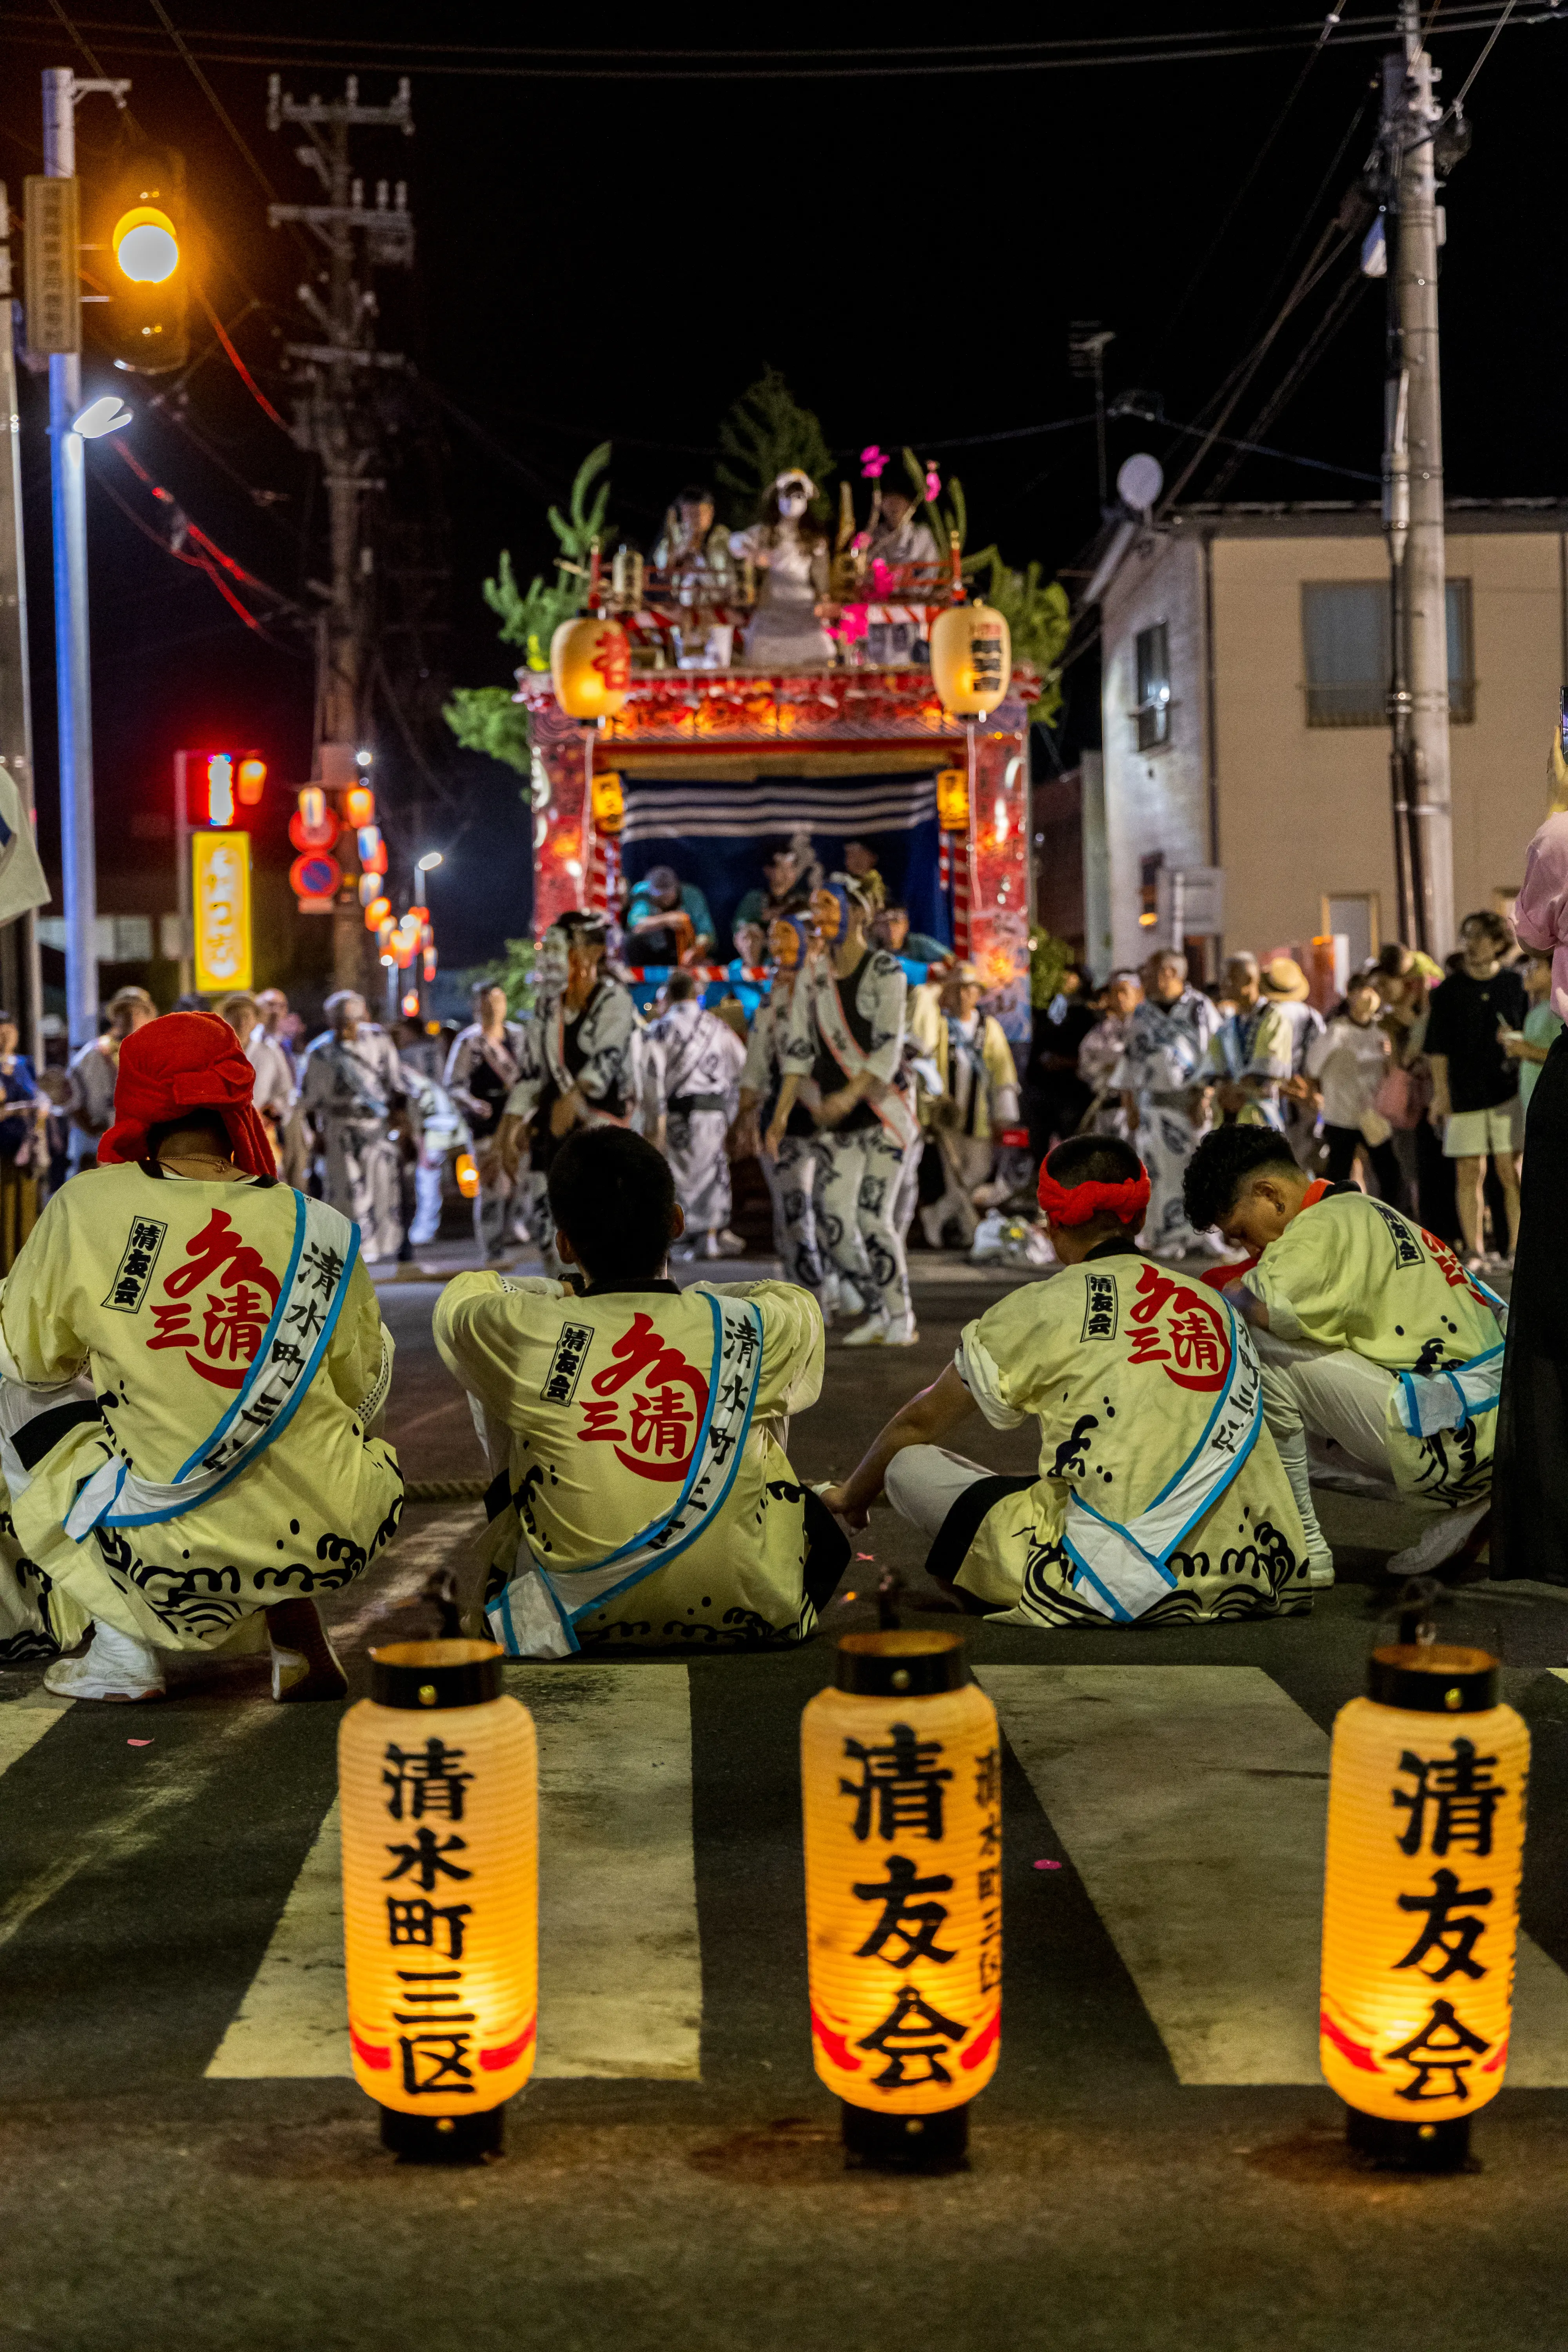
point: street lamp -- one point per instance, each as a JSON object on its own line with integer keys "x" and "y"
{"x": 101, "y": 416}
{"x": 422, "y": 866}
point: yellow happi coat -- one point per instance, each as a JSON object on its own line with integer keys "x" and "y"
{"x": 1122, "y": 1361}
{"x": 156, "y": 1292}
{"x": 596, "y": 1440}
{"x": 1352, "y": 1273}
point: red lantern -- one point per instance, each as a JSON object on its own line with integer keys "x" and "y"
{"x": 251, "y": 779}
{"x": 376, "y": 914}
{"x": 315, "y": 875}
{"x": 359, "y": 804}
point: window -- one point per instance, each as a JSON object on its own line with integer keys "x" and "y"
{"x": 1152, "y": 715}
{"x": 1345, "y": 641}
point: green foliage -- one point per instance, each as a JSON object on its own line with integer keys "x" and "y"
{"x": 765, "y": 431}
{"x": 513, "y": 971}
{"x": 485, "y": 719}
{"x": 1049, "y": 959}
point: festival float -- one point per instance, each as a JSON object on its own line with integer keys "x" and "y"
{"x": 787, "y": 682}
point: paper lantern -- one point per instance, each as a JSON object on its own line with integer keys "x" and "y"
{"x": 591, "y": 666}
{"x": 313, "y": 825}
{"x": 609, "y": 802}
{"x": 439, "y": 1787}
{"x": 1426, "y": 1797}
{"x": 369, "y": 889}
{"x": 359, "y": 804}
{"x": 467, "y": 1175}
{"x": 251, "y": 778}
{"x": 900, "y": 1766}
{"x": 378, "y": 912}
{"x": 372, "y": 849}
{"x": 428, "y": 964}
{"x": 953, "y": 800}
{"x": 971, "y": 659}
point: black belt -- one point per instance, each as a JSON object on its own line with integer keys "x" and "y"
{"x": 684, "y": 1103}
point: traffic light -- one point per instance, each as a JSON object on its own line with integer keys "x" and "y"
{"x": 149, "y": 265}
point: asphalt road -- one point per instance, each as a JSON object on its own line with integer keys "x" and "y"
{"x": 185, "y": 2163}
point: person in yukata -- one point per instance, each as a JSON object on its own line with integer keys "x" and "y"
{"x": 352, "y": 1090}
{"x": 1382, "y": 1357}
{"x": 635, "y": 1432}
{"x": 1159, "y": 1498}
{"x": 483, "y": 1067}
{"x": 192, "y": 1371}
{"x": 1164, "y": 1093}
{"x": 693, "y": 1062}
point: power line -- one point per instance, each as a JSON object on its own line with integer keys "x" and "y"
{"x": 210, "y": 94}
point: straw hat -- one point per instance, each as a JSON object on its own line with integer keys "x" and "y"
{"x": 1283, "y": 980}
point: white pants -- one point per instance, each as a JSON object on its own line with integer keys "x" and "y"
{"x": 694, "y": 1143}
{"x": 860, "y": 1179}
{"x": 966, "y": 1162}
{"x": 427, "y": 1199}
{"x": 363, "y": 1178}
{"x": 1325, "y": 1406}
{"x": 923, "y": 1482}
{"x": 792, "y": 1187}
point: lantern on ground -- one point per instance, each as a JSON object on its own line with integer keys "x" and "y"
{"x": 1427, "y": 1796}
{"x": 971, "y": 659}
{"x": 591, "y": 666}
{"x": 438, "y": 1779}
{"x": 900, "y": 1767}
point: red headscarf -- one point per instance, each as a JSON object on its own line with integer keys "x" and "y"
{"x": 1074, "y": 1204}
{"x": 186, "y": 1061}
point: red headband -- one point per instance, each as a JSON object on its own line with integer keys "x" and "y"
{"x": 1074, "y": 1204}
{"x": 186, "y": 1061}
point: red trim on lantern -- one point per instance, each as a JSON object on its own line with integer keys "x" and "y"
{"x": 367, "y": 2052}
{"x": 983, "y": 2042}
{"x": 1359, "y": 2053}
{"x": 835, "y": 2045}
{"x": 493, "y": 2061}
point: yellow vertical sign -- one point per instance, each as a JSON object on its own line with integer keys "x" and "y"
{"x": 221, "y": 896}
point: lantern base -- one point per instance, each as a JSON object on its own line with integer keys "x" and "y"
{"x": 1409, "y": 2148}
{"x": 884, "y": 2143}
{"x": 444, "y": 2139}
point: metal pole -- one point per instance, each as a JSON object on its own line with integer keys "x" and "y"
{"x": 16, "y": 698}
{"x": 73, "y": 688}
{"x": 183, "y": 894}
{"x": 417, "y": 967}
{"x": 1420, "y": 707}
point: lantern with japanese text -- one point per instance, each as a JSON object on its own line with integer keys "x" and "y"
{"x": 1426, "y": 1797}
{"x": 971, "y": 659}
{"x": 953, "y": 800}
{"x": 901, "y": 1765}
{"x": 439, "y": 1789}
{"x": 591, "y": 666}
{"x": 609, "y": 802}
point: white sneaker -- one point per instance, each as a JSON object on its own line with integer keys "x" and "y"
{"x": 849, "y": 1299}
{"x": 731, "y": 1243}
{"x": 1446, "y": 1536}
{"x": 1320, "y": 1570}
{"x": 114, "y": 1666}
{"x": 872, "y": 1333}
{"x": 901, "y": 1332}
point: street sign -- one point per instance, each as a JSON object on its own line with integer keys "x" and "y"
{"x": 52, "y": 291}
{"x": 220, "y": 875}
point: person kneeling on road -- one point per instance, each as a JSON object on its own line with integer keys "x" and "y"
{"x": 1380, "y": 1357}
{"x": 1160, "y": 1498}
{"x": 640, "y": 1495}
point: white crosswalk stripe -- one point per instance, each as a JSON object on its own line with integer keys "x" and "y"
{"x": 1192, "y": 1800}
{"x": 620, "y": 1987}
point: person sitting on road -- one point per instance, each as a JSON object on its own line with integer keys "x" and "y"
{"x": 1382, "y": 1358}
{"x": 667, "y": 921}
{"x": 213, "y": 1367}
{"x": 632, "y": 1429}
{"x": 1160, "y": 1497}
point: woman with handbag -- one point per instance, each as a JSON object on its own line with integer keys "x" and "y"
{"x": 20, "y": 1144}
{"x": 1351, "y": 1062}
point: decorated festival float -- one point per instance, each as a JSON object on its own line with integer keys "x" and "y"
{"x": 834, "y": 672}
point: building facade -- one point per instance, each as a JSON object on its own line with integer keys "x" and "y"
{"x": 1246, "y": 792}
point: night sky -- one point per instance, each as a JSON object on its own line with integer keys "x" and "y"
{"x": 619, "y": 257}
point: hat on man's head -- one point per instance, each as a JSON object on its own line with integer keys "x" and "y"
{"x": 1283, "y": 979}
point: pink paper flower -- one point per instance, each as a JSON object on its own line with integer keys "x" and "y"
{"x": 872, "y": 461}
{"x": 851, "y": 624}
{"x": 884, "y": 580}
{"x": 933, "y": 484}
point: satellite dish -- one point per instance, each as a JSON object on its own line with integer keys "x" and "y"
{"x": 1140, "y": 482}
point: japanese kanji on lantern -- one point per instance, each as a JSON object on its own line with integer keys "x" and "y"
{"x": 900, "y": 1766}
{"x": 1426, "y": 1799}
{"x": 440, "y": 1788}
{"x": 591, "y": 666}
{"x": 971, "y": 658}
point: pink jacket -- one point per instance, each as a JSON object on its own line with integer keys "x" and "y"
{"x": 1541, "y": 910}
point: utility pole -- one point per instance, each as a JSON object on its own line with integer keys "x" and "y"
{"x": 1086, "y": 342}
{"x": 334, "y": 420}
{"x": 1413, "y": 499}
{"x": 20, "y": 975}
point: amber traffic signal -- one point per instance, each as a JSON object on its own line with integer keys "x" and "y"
{"x": 146, "y": 249}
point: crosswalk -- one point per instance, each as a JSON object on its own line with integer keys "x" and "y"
{"x": 1187, "y": 1800}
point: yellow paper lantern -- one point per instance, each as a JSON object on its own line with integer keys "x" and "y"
{"x": 591, "y": 666}
{"x": 440, "y": 1792}
{"x": 953, "y": 800}
{"x": 901, "y": 1768}
{"x": 971, "y": 659}
{"x": 467, "y": 1175}
{"x": 609, "y": 802}
{"x": 1426, "y": 1799}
